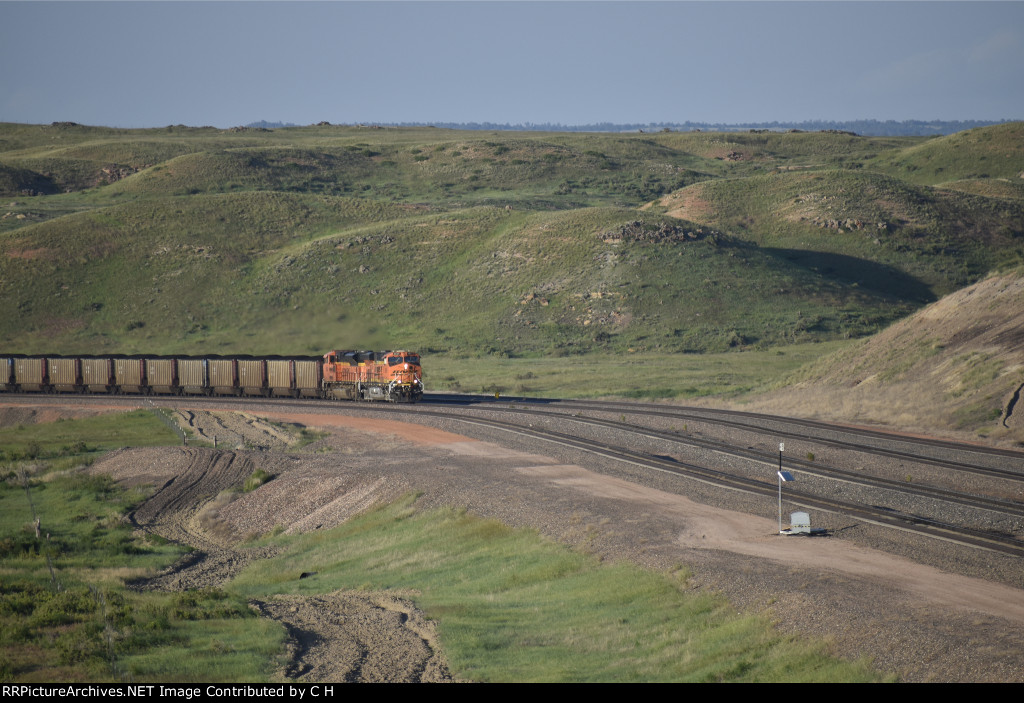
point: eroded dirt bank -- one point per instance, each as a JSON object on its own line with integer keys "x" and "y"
{"x": 915, "y": 620}
{"x": 339, "y": 637}
{"x": 371, "y": 638}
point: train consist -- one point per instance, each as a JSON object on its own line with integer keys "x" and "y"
{"x": 395, "y": 376}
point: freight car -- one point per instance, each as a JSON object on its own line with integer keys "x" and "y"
{"x": 395, "y": 376}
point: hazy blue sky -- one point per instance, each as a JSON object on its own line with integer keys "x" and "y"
{"x": 139, "y": 64}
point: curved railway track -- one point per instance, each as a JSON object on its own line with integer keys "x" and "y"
{"x": 933, "y": 528}
{"x": 938, "y": 452}
{"x": 641, "y": 444}
{"x": 876, "y": 514}
{"x": 817, "y": 469}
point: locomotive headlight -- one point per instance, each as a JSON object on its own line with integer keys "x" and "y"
{"x": 407, "y": 367}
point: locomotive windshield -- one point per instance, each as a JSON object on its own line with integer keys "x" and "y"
{"x": 396, "y": 360}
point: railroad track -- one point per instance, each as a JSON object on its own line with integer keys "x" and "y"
{"x": 816, "y": 469}
{"x": 937, "y": 452}
{"x": 472, "y": 411}
{"x": 890, "y": 518}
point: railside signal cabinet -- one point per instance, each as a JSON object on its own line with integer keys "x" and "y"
{"x": 799, "y": 524}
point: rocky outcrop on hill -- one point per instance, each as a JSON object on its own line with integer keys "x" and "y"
{"x": 848, "y": 224}
{"x": 656, "y": 233}
{"x": 114, "y": 172}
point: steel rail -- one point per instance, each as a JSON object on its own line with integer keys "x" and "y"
{"x": 687, "y": 414}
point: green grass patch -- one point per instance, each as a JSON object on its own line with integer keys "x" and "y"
{"x": 307, "y": 437}
{"x": 512, "y": 606}
{"x": 66, "y": 551}
{"x": 86, "y": 436}
{"x": 257, "y": 479}
{"x": 645, "y": 376}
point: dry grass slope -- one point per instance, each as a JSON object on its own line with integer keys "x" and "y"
{"x": 956, "y": 363}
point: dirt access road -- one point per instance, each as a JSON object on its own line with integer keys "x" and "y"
{"x": 920, "y": 622}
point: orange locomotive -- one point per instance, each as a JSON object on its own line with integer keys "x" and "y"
{"x": 395, "y": 376}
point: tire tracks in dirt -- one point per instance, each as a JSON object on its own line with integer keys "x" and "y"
{"x": 358, "y": 637}
{"x": 338, "y": 637}
{"x": 175, "y": 512}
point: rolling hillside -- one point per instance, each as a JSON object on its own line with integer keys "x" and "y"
{"x": 957, "y": 363}
{"x": 510, "y": 244}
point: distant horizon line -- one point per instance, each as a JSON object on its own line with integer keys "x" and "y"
{"x": 869, "y": 127}
{"x": 865, "y": 127}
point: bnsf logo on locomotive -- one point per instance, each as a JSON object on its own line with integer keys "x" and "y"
{"x": 352, "y": 375}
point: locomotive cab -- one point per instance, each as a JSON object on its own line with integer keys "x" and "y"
{"x": 406, "y": 375}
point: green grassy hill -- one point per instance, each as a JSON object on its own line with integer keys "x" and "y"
{"x": 301, "y": 239}
{"x": 863, "y": 227}
{"x": 995, "y": 152}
